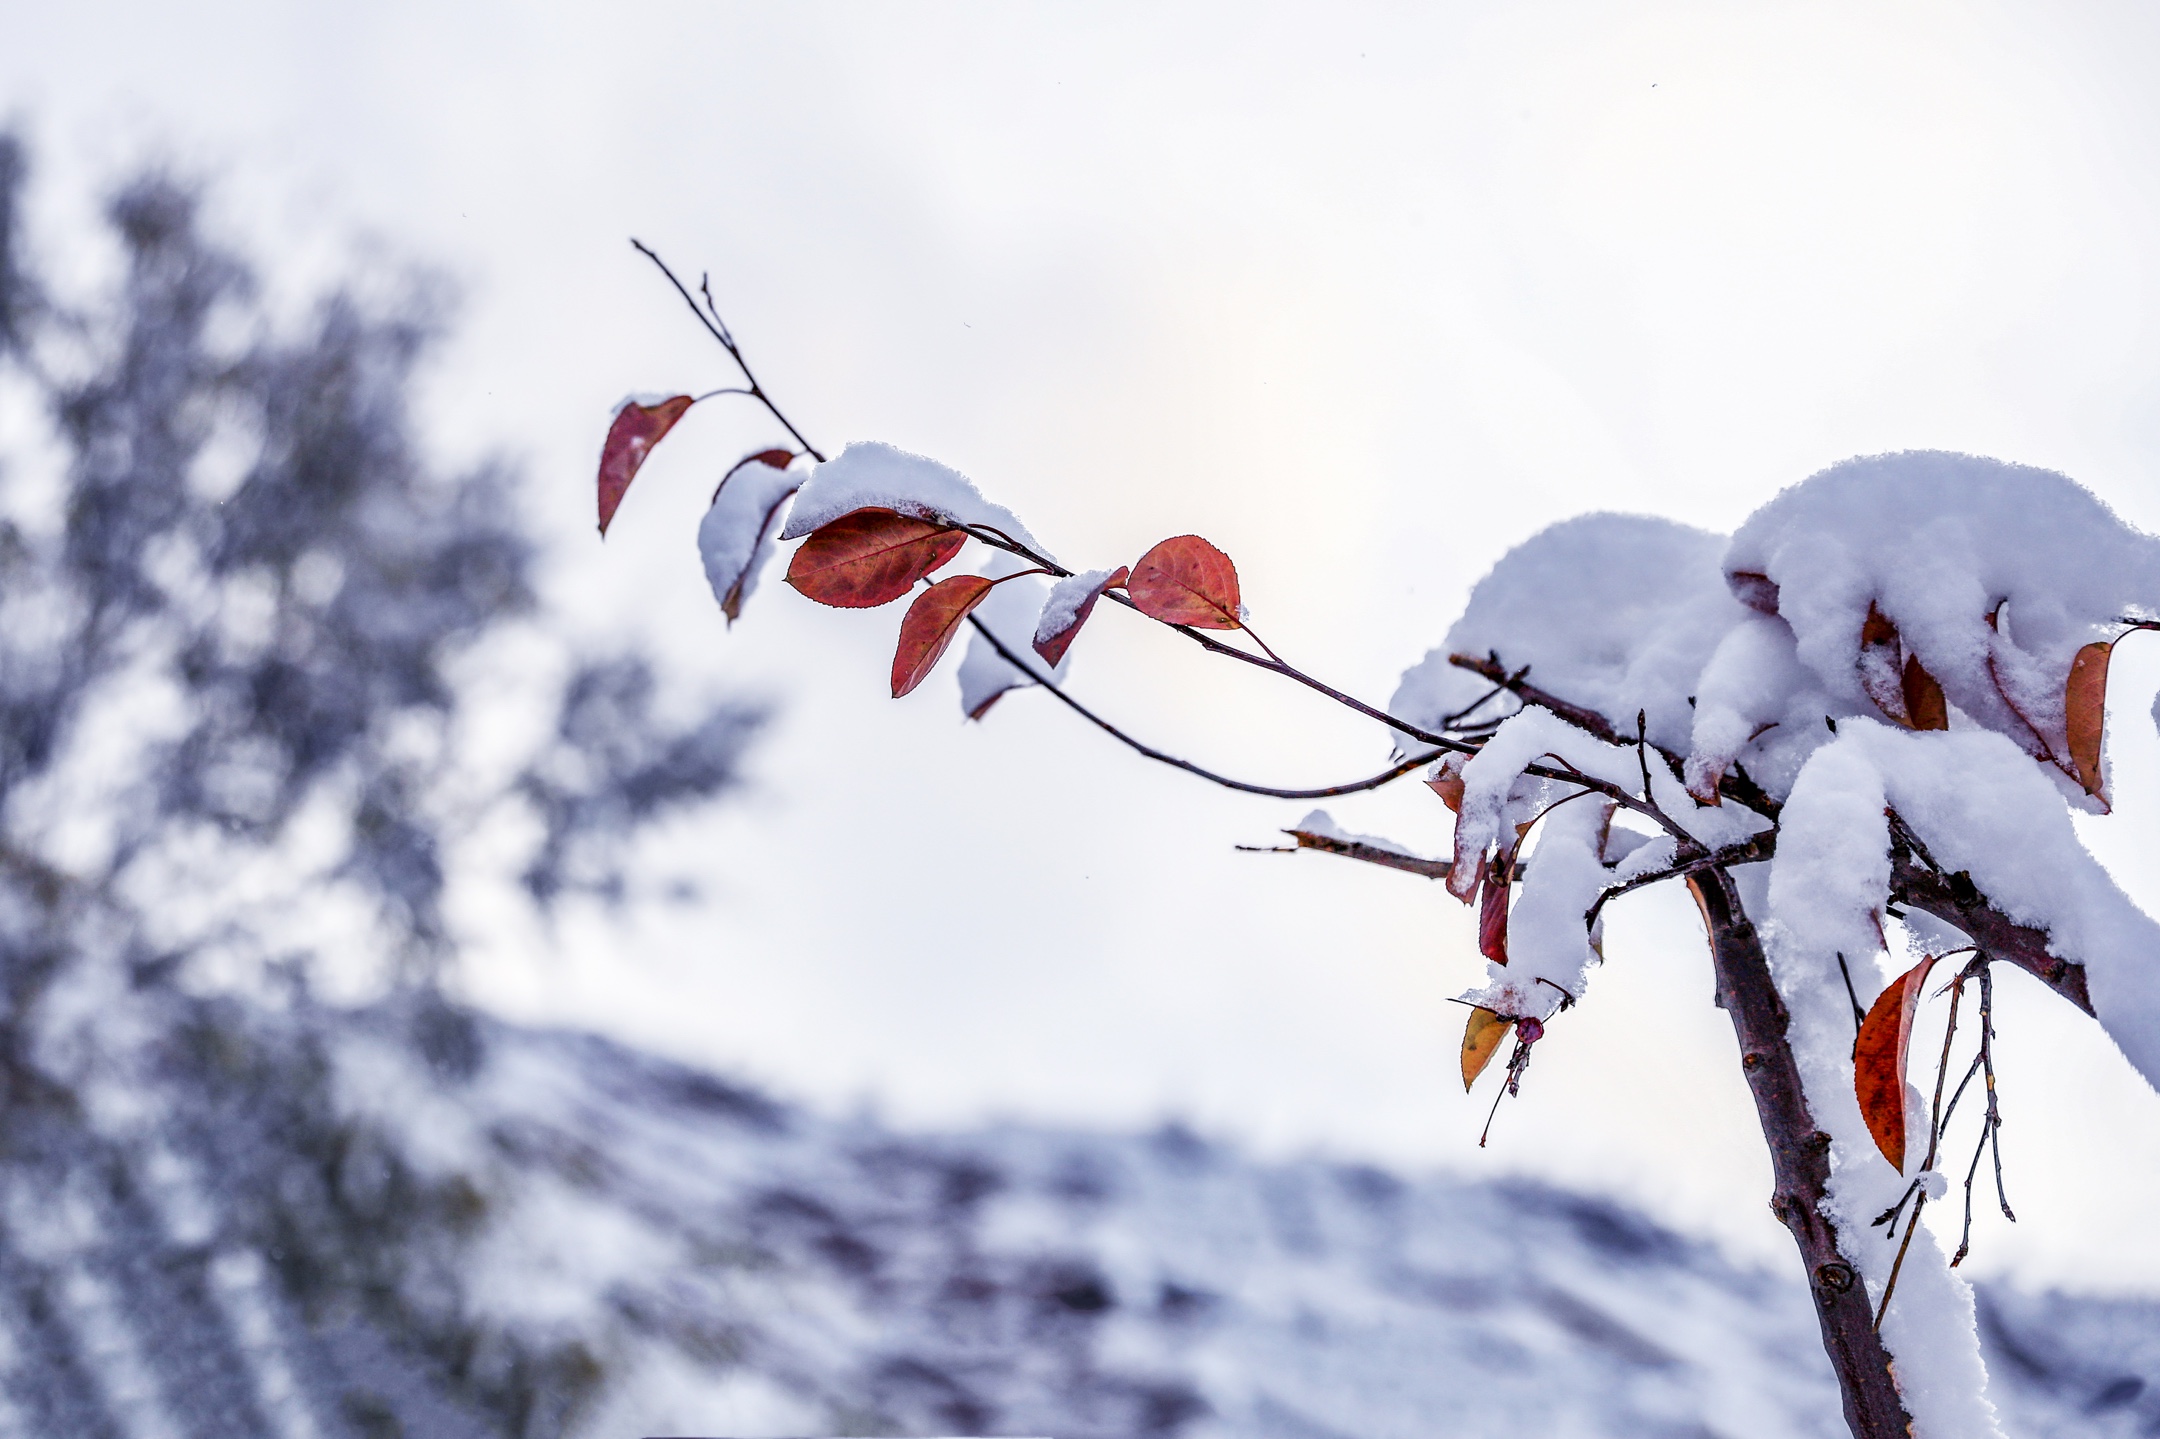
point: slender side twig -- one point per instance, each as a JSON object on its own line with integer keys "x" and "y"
{"x": 1917, "y": 1191}
{"x": 1356, "y": 849}
{"x": 1735, "y": 786}
{"x": 709, "y": 318}
{"x": 1269, "y": 661}
{"x": 1859, "y": 1011}
{"x": 1386, "y": 776}
{"x": 719, "y": 331}
{"x": 1686, "y": 843}
{"x": 1749, "y": 851}
{"x": 1991, "y": 1126}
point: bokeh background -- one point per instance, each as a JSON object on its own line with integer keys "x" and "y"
{"x": 1365, "y": 294}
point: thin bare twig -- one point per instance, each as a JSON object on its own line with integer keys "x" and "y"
{"x": 1749, "y": 851}
{"x": 1386, "y": 776}
{"x": 719, "y": 331}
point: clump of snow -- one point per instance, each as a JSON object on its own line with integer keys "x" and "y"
{"x": 1981, "y": 806}
{"x": 1825, "y": 890}
{"x": 1009, "y": 613}
{"x": 869, "y": 474}
{"x": 1617, "y": 613}
{"x": 1986, "y": 576}
{"x": 1550, "y": 953}
{"x": 737, "y": 534}
{"x": 1068, "y": 596}
{"x": 1993, "y": 574}
{"x": 1755, "y": 698}
{"x": 1321, "y": 823}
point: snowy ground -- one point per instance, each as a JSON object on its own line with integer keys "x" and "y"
{"x": 235, "y": 1221}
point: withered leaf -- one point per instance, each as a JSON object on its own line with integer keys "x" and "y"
{"x": 1480, "y": 1042}
{"x": 1492, "y": 915}
{"x": 929, "y": 626}
{"x": 636, "y": 429}
{"x": 1052, "y": 646}
{"x": 870, "y": 557}
{"x": 1925, "y": 707}
{"x": 730, "y": 582}
{"x": 1186, "y": 581}
{"x": 2085, "y": 709}
{"x": 1879, "y": 1061}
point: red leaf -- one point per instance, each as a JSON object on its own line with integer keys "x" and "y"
{"x": 778, "y": 459}
{"x": 1492, "y": 916}
{"x": 1480, "y": 1042}
{"x": 1052, "y": 646}
{"x": 2085, "y": 710}
{"x": 929, "y": 626}
{"x": 630, "y": 439}
{"x": 870, "y": 557}
{"x": 1186, "y": 581}
{"x": 1879, "y": 1061}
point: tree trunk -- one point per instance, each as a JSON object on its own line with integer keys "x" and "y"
{"x": 1800, "y": 1158}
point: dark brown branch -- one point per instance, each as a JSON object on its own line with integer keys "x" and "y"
{"x": 1735, "y": 786}
{"x": 719, "y": 331}
{"x": 1800, "y": 1162}
{"x": 1513, "y": 682}
{"x": 1372, "y": 854}
{"x": 1270, "y": 661}
{"x": 1386, "y": 776}
{"x": 1953, "y": 899}
{"x": 1685, "y": 843}
{"x": 1749, "y": 851}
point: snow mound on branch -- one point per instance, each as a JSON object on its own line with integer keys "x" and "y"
{"x": 1320, "y": 822}
{"x": 1009, "y": 613}
{"x": 1616, "y": 613}
{"x": 1843, "y": 596}
{"x": 1980, "y": 805}
{"x": 1993, "y": 575}
{"x": 1066, "y": 597}
{"x": 736, "y": 536}
{"x": 1575, "y": 857}
{"x": 870, "y": 474}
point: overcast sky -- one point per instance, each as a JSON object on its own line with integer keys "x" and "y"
{"x": 1364, "y": 295}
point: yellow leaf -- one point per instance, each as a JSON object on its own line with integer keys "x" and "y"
{"x": 1480, "y": 1042}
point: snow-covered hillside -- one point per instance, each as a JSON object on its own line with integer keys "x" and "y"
{"x": 223, "y": 1219}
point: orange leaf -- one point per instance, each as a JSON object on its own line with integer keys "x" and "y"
{"x": 1702, "y": 908}
{"x": 630, "y": 439}
{"x": 1052, "y": 647}
{"x": 1186, "y": 581}
{"x": 1924, "y": 704}
{"x": 2085, "y": 708}
{"x": 870, "y": 557}
{"x": 1879, "y": 1061}
{"x": 1492, "y": 916}
{"x": 1480, "y": 1042}
{"x": 929, "y": 626}
{"x": 1449, "y": 786}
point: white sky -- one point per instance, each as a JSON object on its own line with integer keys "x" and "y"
{"x": 1366, "y": 295}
